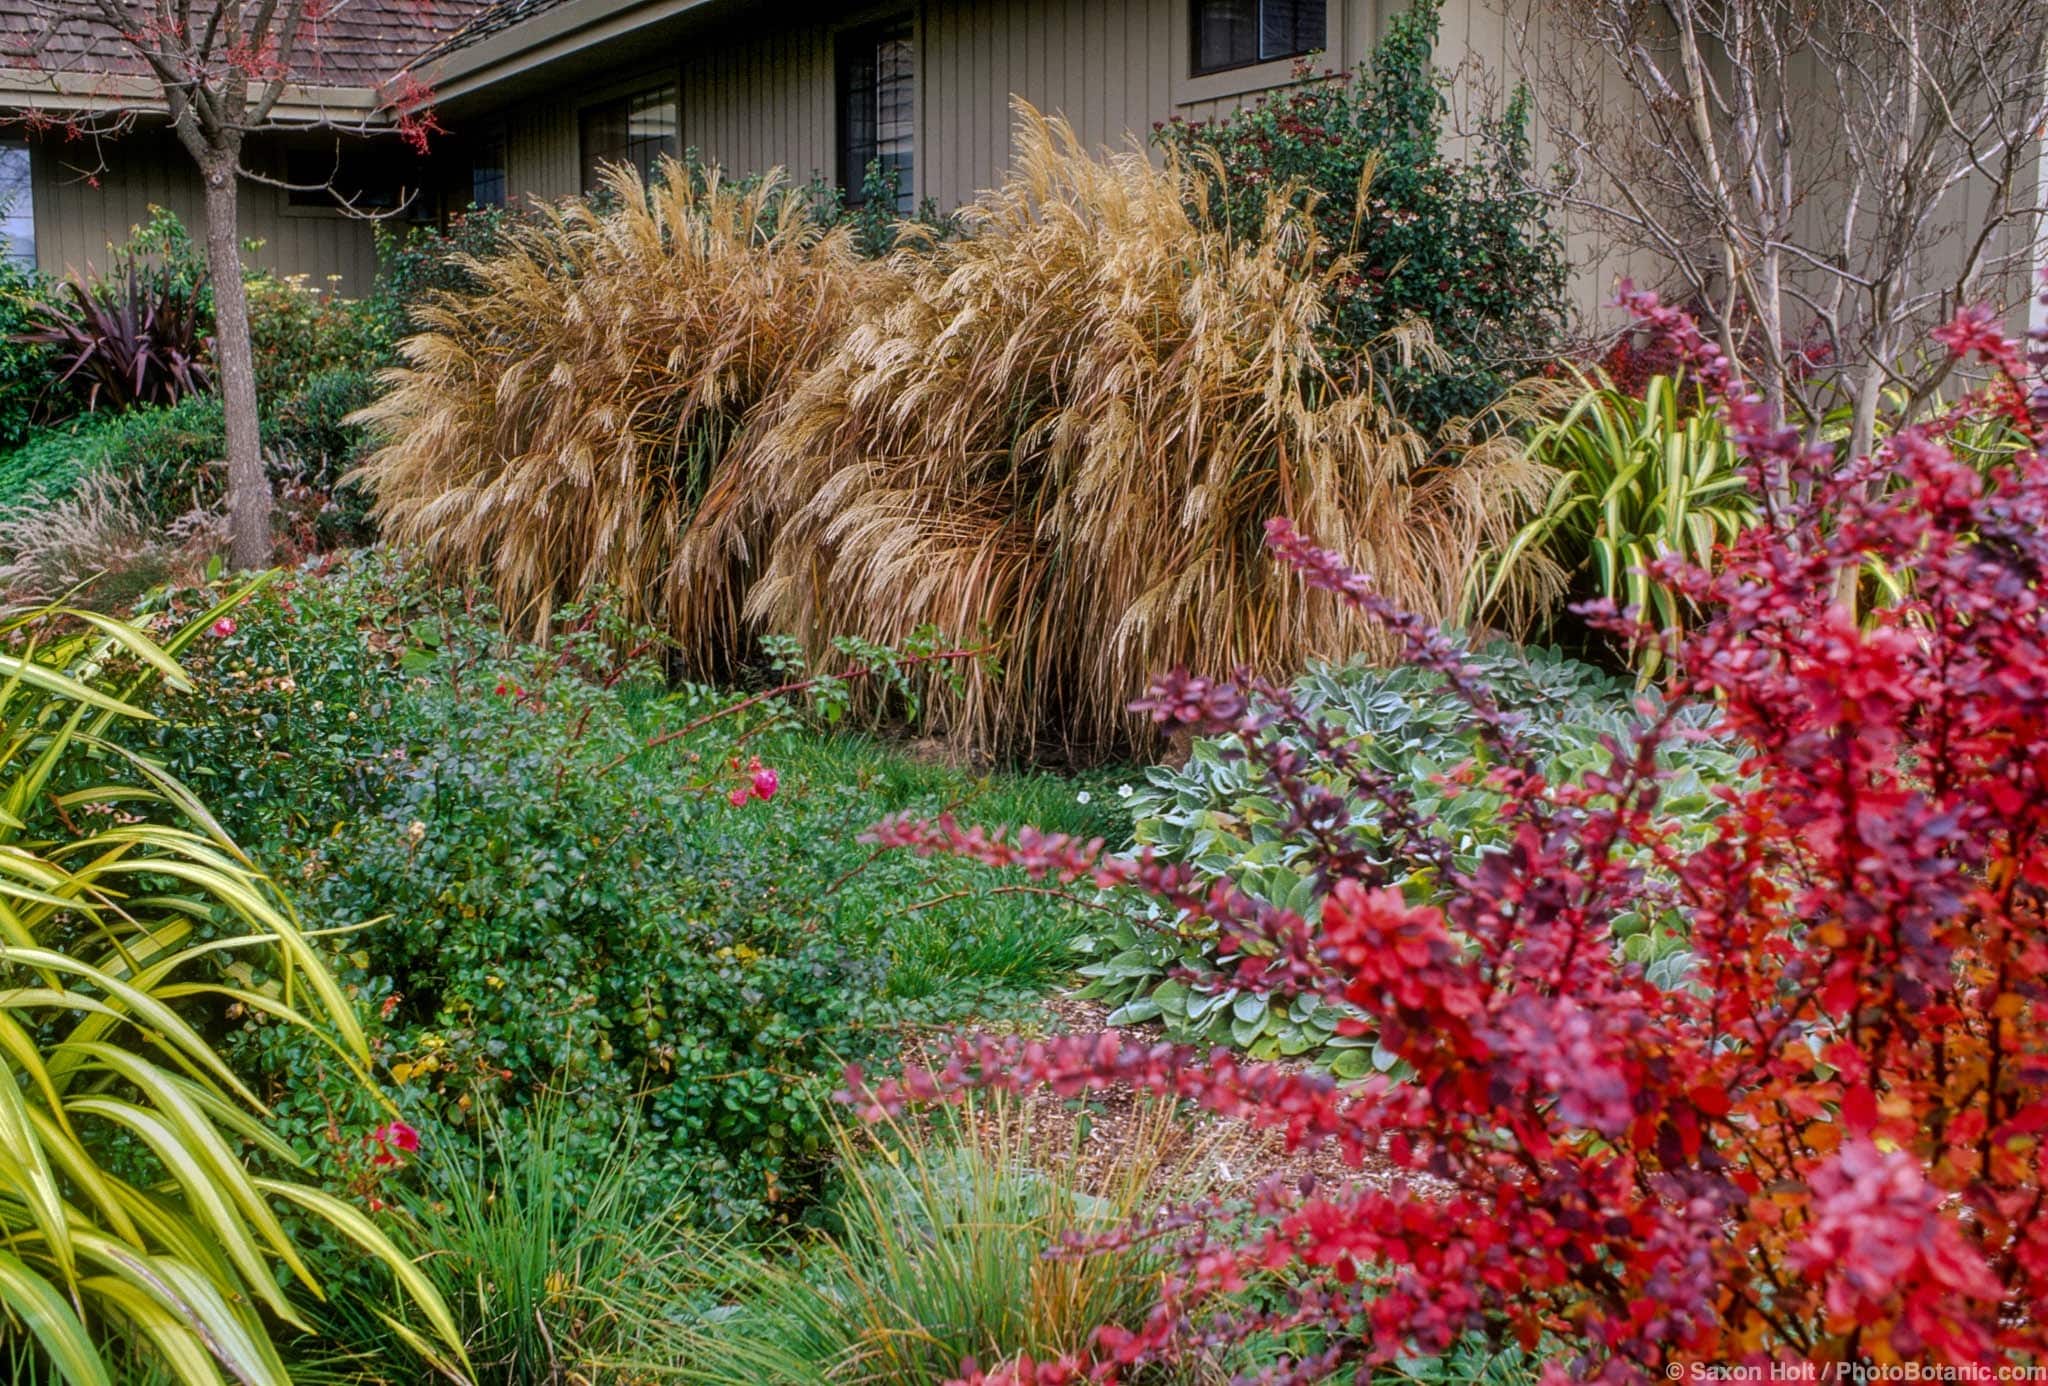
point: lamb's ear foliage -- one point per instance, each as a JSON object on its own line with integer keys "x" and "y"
{"x": 128, "y": 923}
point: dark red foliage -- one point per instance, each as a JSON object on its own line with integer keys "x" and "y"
{"x": 1826, "y": 1142}
{"x": 139, "y": 339}
{"x": 1634, "y": 357}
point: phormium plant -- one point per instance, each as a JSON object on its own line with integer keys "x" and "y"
{"x": 135, "y": 340}
{"x": 1826, "y": 1141}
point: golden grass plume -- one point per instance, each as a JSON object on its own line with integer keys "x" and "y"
{"x": 566, "y": 427}
{"x": 1068, "y": 428}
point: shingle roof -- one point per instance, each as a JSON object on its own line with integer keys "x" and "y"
{"x": 342, "y": 43}
{"x": 496, "y": 17}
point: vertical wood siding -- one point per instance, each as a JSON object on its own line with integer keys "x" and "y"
{"x": 87, "y": 198}
{"x": 760, "y": 94}
{"x": 757, "y": 95}
{"x": 762, "y": 98}
{"x": 542, "y": 158}
{"x": 758, "y": 90}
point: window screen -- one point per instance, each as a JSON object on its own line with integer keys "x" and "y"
{"x": 487, "y": 173}
{"x": 877, "y": 110}
{"x": 635, "y": 130}
{"x": 1237, "y": 33}
{"x": 17, "y": 205}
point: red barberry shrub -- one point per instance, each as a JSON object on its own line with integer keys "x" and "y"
{"x": 1826, "y": 1142}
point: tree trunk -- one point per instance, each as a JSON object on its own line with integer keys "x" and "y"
{"x": 1862, "y": 442}
{"x": 234, "y": 358}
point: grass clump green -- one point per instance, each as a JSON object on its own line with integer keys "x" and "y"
{"x": 557, "y": 1260}
{"x": 939, "y": 1250}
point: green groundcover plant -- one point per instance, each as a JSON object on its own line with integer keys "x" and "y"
{"x": 168, "y": 450}
{"x": 682, "y": 941}
{"x": 1216, "y": 814}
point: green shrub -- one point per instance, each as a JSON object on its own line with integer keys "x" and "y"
{"x": 559, "y": 911}
{"x": 314, "y": 445}
{"x": 171, "y": 453}
{"x": 878, "y": 226}
{"x": 1215, "y": 814}
{"x": 1462, "y": 244}
{"x": 299, "y": 331}
{"x": 174, "y": 453}
{"x": 27, "y": 369}
{"x": 422, "y": 261}
{"x": 162, "y": 253}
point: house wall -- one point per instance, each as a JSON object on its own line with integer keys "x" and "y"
{"x": 759, "y": 95}
{"x": 88, "y": 195}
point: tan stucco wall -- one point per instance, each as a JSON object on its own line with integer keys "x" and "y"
{"x": 89, "y": 194}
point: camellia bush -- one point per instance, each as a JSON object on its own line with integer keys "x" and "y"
{"x": 1461, "y": 241}
{"x": 1825, "y": 1142}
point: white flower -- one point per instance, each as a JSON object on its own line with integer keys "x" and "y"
{"x": 1082, "y": 797}
{"x": 1123, "y": 791}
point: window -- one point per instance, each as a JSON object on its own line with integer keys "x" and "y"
{"x": 634, "y": 130}
{"x": 877, "y": 110}
{"x": 1238, "y": 33}
{"x": 365, "y": 178}
{"x": 17, "y": 206}
{"x": 487, "y": 173}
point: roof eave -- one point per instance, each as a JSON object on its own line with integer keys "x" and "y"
{"x": 107, "y": 92}
{"x": 552, "y": 34}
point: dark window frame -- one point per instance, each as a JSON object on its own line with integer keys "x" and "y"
{"x": 490, "y": 184}
{"x": 642, "y": 152}
{"x": 858, "y": 68}
{"x": 1319, "y": 26}
{"x": 352, "y": 177}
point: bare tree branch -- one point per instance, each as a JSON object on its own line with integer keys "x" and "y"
{"x": 1823, "y": 178}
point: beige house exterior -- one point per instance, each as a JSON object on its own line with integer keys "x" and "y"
{"x": 531, "y": 92}
{"x": 757, "y": 82}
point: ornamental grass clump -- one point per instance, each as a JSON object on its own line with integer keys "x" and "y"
{"x": 1068, "y": 427}
{"x": 565, "y": 427}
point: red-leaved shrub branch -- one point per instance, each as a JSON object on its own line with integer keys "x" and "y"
{"x": 1825, "y": 1143}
